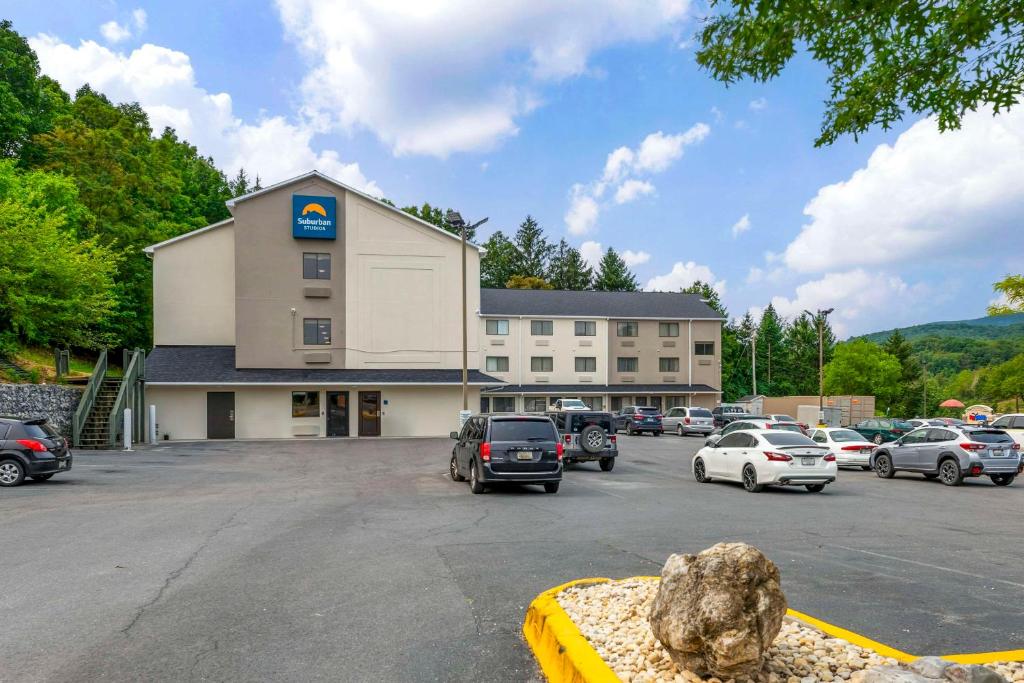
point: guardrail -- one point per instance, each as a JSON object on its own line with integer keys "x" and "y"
{"x": 128, "y": 396}
{"x": 85, "y": 404}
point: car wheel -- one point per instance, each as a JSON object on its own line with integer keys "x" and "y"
{"x": 883, "y": 467}
{"x": 1003, "y": 479}
{"x": 453, "y": 470}
{"x": 750, "y": 480}
{"x": 815, "y": 488}
{"x": 950, "y": 473}
{"x": 630, "y": 431}
{"x": 607, "y": 464}
{"x": 679, "y": 430}
{"x": 700, "y": 471}
{"x": 43, "y": 477}
{"x": 930, "y": 475}
{"x": 878, "y": 439}
{"x": 11, "y": 473}
{"x": 475, "y": 485}
{"x": 551, "y": 487}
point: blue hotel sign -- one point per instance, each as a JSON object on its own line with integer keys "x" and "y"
{"x": 314, "y": 217}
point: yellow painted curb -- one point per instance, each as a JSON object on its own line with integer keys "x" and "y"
{"x": 565, "y": 655}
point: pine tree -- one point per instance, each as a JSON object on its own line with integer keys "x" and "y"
{"x": 497, "y": 265}
{"x": 240, "y": 184}
{"x": 568, "y": 269}
{"x": 613, "y": 275}
{"x": 910, "y": 395}
{"x": 533, "y": 251}
{"x": 708, "y": 294}
{"x": 802, "y": 356}
{"x": 772, "y": 378}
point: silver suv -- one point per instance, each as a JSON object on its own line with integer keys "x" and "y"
{"x": 586, "y": 436}
{"x": 950, "y": 454}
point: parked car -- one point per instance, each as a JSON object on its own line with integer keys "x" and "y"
{"x": 881, "y": 429}
{"x": 925, "y": 422}
{"x": 724, "y": 414}
{"x": 522, "y": 449}
{"x": 685, "y": 421}
{"x": 850, "y": 448}
{"x": 1012, "y": 424}
{"x": 639, "y": 419}
{"x": 765, "y": 457}
{"x": 748, "y": 423}
{"x": 587, "y": 436}
{"x": 31, "y": 448}
{"x": 950, "y": 454}
{"x": 569, "y": 404}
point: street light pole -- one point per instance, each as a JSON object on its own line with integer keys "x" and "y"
{"x": 820, "y": 317}
{"x": 454, "y": 219}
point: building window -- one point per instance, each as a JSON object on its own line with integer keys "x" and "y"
{"x": 640, "y": 400}
{"x": 656, "y": 402}
{"x": 704, "y": 348}
{"x": 497, "y": 327}
{"x": 586, "y": 328}
{"x": 668, "y": 365}
{"x": 542, "y": 364}
{"x": 675, "y": 401}
{"x": 316, "y": 266}
{"x": 542, "y": 328}
{"x": 616, "y": 404}
{"x": 503, "y": 404}
{"x": 626, "y": 364}
{"x": 586, "y": 364}
{"x": 595, "y": 402}
{"x": 535, "y": 404}
{"x": 497, "y": 364}
{"x": 485, "y": 404}
{"x": 668, "y": 329}
{"x": 628, "y": 328}
{"x": 305, "y": 404}
{"x": 316, "y": 331}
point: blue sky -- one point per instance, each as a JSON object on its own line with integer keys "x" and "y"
{"x": 512, "y": 109}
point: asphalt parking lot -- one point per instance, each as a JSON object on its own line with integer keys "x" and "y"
{"x": 361, "y": 561}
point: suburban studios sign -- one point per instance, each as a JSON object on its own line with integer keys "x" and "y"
{"x": 314, "y": 217}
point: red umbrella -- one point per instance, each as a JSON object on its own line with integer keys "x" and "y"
{"x": 951, "y": 403}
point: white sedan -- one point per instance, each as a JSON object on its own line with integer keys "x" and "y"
{"x": 851, "y": 449}
{"x": 766, "y": 457}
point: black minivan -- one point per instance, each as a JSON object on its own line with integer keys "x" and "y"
{"x": 522, "y": 449}
{"x": 31, "y": 448}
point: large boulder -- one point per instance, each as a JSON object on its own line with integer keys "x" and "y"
{"x": 719, "y": 611}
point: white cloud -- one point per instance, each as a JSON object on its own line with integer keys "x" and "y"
{"x": 758, "y": 104}
{"x": 929, "y": 194}
{"x": 635, "y": 258}
{"x": 453, "y": 75}
{"x": 863, "y": 300}
{"x": 684, "y": 275}
{"x": 655, "y": 153}
{"x": 632, "y": 189}
{"x": 163, "y": 82}
{"x": 140, "y": 19}
{"x": 592, "y": 252}
{"x": 717, "y": 113}
{"x": 741, "y": 226}
{"x": 114, "y": 32}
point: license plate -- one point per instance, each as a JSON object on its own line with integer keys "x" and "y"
{"x": 865, "y": 451}
{"x": 63, "y": 465}
{"x": 998, "y": 454}
{"x": 525, "y": 455}
{"x": 807, "y": 461}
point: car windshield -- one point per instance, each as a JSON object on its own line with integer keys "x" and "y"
{"x": 990, "y": 436}
{"x": 574, "y": 403}
{"x": 39, "y": 431}
{"x": 522, "y": 430}
{"x": 785, "y": 418}
{"x": 647, "y": 410}
{"x": 788, "y": 439}
{"x": 900, "y": 424}
{"x": 602, "y": 420}
{"x": 840, "y": 435}
{"x": 700, "y": 412}
{"x": 788, "y": 428}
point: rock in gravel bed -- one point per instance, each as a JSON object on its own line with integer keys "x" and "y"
{"x": 613, "y": 616}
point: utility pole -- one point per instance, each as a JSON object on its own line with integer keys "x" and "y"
{"x": 753, "y": 361}
{"x": 455, "y": 220}
{"x": 820, "y": 317}
{"x": 924, "y": 385}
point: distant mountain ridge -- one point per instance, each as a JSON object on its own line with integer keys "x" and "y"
{"x": 989, "y": 327}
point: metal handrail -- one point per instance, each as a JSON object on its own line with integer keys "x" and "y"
{"x": 125, "y": 399}
{"x": 85, "y": 404}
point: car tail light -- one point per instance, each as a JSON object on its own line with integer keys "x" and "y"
{"x": 559, "y": 450}
{"x": 33, "y": 445}
{"x": 852, "y": 448}
{"x": 777, "y": 457}
{"x": 659, "y": 417}
{"x": 829, "y": 457}
{"x": 686, "y": 420}
{"x": 568, "y": 438}
{"x": 613, "y": 438}
{"x": 638, "y": 416}
{"x": 972, "y": 446}
{"x": 485, "y": 452}
{"x": 1015, "y": 446}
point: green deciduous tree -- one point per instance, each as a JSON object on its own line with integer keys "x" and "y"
{"x": 439, "y": 217}
{"x": 527, "y": 282}
{"x": 862, "y": 367}
{"x": 568, "y": 269}
{"x": 28, "y": 101}
{"x": 613, "y": 275}
{"x": 911, "y": 389}
{"x": 883, "y": 58}
{"x": 1012, "y": 288}
{"x": 498, "y": 263}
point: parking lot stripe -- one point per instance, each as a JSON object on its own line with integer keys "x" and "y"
{"x": 973, "y": 575}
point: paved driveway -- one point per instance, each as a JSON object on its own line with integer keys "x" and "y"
{"x": 361, "y": 560}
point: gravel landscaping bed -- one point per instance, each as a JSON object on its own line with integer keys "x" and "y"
{"x": 613, "y": 618}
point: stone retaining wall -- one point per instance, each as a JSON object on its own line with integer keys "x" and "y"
{"x": 55, "y": 402}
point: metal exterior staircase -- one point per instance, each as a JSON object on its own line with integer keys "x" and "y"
{"x": 96, "y": 430}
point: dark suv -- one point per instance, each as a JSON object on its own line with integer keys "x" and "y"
{"x": 587, "y": 435}
{"x": 725, "y": 414}
{"x": 639, "y": 419}
{"x": 522, "y": 449}
{"x": 31, "y": 448}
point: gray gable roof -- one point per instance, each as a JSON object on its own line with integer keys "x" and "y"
{"x": 625, "y": 305}
{"x": 216, "y": 365}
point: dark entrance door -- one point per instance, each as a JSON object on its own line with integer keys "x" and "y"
{"x": 337, "y": 413}
{"x": 369, "y": 413}
{"x": 220, "y": 415}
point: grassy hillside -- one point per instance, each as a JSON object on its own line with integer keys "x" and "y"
{"x": 991, "y": 327}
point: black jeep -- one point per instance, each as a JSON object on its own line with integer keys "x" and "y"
{"x": 587, "y": 435}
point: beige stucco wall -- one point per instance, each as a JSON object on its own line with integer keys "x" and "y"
{"x": 647, "y": 347}
{"x": 265, "y": 412}
{"x": 707, "y": 369}
{"x": 194, "y": 290}
{"x": 563, "y": 346}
